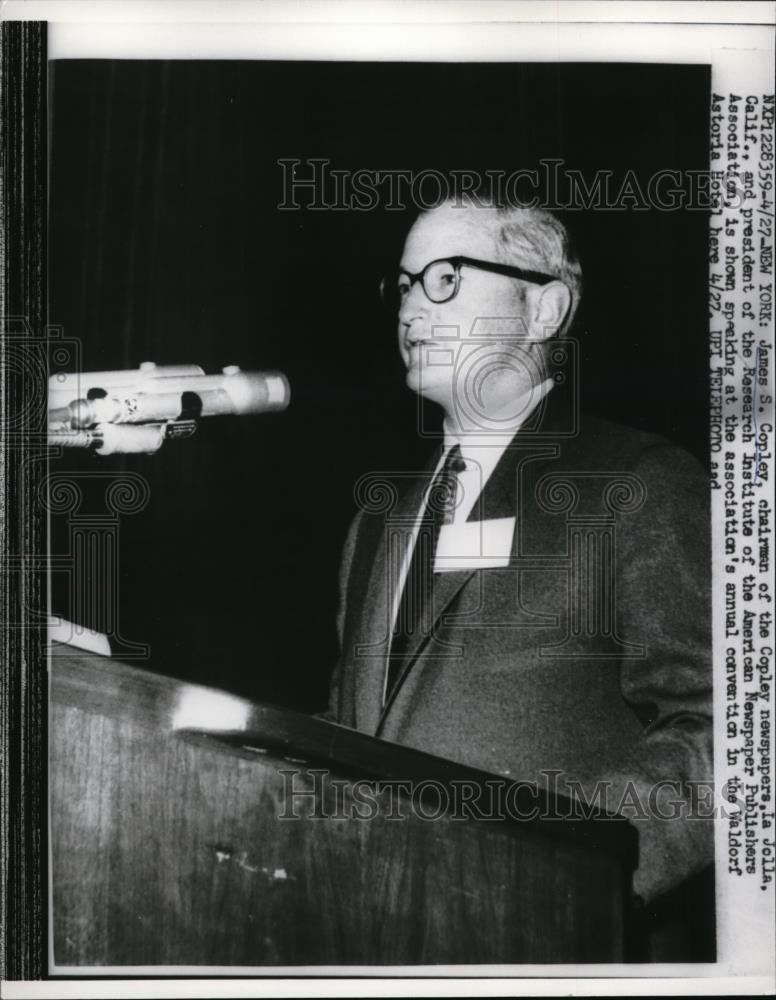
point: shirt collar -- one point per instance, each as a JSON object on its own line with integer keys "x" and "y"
{"x": 476, "y": 441}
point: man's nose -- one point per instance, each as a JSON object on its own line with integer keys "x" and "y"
{"x": 415, "y": 305}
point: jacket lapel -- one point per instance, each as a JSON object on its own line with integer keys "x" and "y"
{"x": 498, "y": 499}
{"x": 371, "y": 637}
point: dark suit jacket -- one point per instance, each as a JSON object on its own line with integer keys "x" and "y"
{"x": 589, "y": 655}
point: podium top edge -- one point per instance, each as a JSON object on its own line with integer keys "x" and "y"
{"x": 157, "y": 702}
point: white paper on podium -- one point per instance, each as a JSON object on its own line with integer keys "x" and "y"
{"x": 60, "y": 630}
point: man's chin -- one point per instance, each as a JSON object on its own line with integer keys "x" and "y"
{"x": 413, "y": 380}
{"x": 427, "y": 387}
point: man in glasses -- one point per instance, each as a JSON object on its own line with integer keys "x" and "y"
{"x": 536, "y": 603}
{"x": 496, "y": 316}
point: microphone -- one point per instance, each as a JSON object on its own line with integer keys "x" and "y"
{"x": 166, "y": 400}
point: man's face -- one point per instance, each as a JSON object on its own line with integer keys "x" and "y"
{"x": 446, "y": 346}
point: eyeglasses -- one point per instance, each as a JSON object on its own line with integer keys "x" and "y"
{"x": 441, "y": 279}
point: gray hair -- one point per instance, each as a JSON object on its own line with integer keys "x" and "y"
{"x": 532, "y": 238}
{"x": 535, "y": 239}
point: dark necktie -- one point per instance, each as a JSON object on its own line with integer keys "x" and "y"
{"x": 415, "y": 613}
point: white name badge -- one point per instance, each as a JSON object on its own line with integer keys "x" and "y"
{"x": 475, "y": 545}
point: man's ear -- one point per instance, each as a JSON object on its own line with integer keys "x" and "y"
{"x": 551, "y": 307}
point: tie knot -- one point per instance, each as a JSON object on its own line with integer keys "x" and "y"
{"x": 454, "y": 461}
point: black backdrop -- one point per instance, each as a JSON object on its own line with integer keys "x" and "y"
{"x": 166, "y": 244}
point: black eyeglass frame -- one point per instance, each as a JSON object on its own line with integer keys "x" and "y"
{"x": 509, "y": 270}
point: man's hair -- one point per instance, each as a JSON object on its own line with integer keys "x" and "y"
{"x": 532, "y": 238}
{"x": 535, "y": 239}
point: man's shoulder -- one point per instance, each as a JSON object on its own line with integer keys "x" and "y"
{"x": 607, "y": 444}
{"x": 611, "y": 436}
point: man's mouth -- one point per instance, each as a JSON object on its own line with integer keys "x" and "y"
{"x": 414, "y": 352}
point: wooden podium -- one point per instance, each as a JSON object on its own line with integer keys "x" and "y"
{"x": 288, "y": 841}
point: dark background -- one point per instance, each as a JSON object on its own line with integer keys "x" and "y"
{"x": 166, "y": 244}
